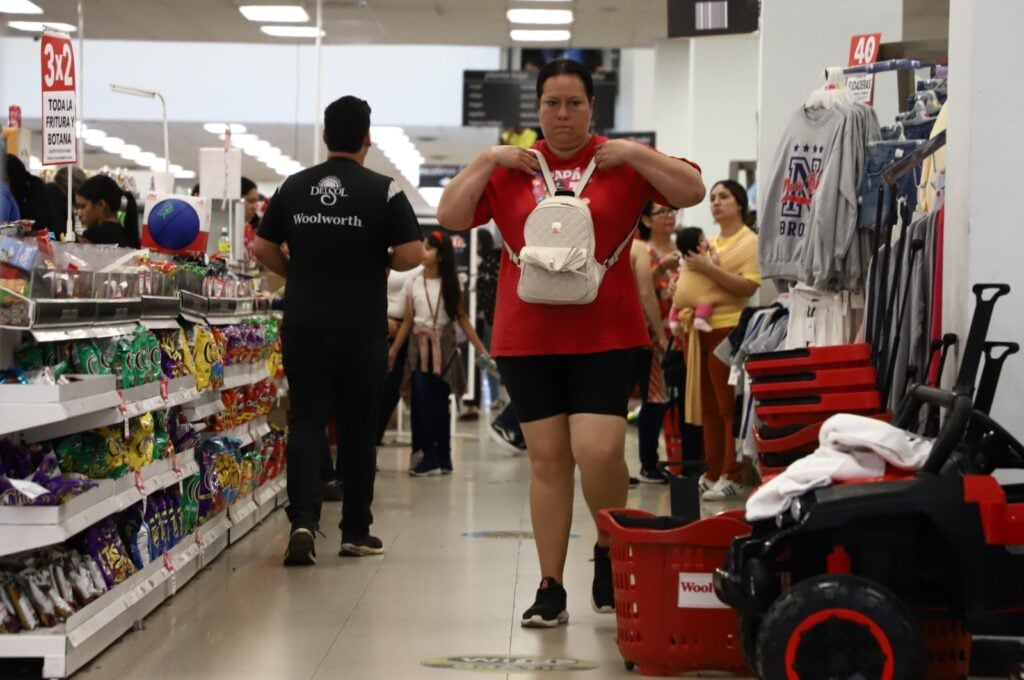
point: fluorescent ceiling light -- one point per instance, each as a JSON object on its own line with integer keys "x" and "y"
{"x": 19, "y": 7}
{"x": 267, "y": 155}
{"x": 94, "y": 136}
{"x": 185, "y": 174}
{"x": 175, "y": 168}
{"x": 275, "y": 13}
{"x": 549, "y": 17}
{"x": 130, "y": 148}
{"x": 291, "y": 31}
{"x": 40, "y": 26}
{"x": 221, "y": 128}
{"x": 432, "y": 195}
{"x": 526, "y": 35}
{"x": 145, "y": 157}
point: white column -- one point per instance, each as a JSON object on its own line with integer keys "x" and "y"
{"x": 634, "y": 108}
{"x": 671, "y": 96}
{"x": 985, "y": 139}
{"x": 799, "y": 39}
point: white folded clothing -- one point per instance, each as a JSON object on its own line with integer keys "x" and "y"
{"x": 849, "y": 447}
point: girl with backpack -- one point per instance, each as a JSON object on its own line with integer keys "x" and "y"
{"x": 433, "y": 368}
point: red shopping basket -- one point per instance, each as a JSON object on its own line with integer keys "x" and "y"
{"x": 669, "y": 619}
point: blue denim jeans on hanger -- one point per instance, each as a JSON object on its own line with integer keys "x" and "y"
{"x": 918, "y": 129}
{"x": 880, "y": 155}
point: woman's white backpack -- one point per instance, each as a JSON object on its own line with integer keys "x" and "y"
{"x": 558, "y": 263}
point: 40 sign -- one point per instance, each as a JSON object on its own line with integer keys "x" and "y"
{"x": 60, "y": 84}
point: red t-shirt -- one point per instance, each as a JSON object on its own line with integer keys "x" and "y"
{"x": 614, "y": 320}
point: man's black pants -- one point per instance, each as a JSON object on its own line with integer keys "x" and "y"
{"x": 342, "y": 374}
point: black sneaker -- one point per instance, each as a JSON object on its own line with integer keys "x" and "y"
{"x": 509, "y": 439}
{"x": 332, "y": 491}
{"x": 634, "y": 482}
{"x": 603, "y": 590}
{"x": 652, "y": 476}
{"x": 361, "y": 547}
{"x": 426, "y": 468}
{"x": 447, "y": 469}
{"x": 301, "y": 550}
{"x": 548, "y": 610}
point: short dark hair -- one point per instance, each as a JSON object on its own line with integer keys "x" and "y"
{"x": 688, "y": 239}
{"x": 565, "y": 67}
{"x": 247, "y": 186}
{"x": 346, "y": 122}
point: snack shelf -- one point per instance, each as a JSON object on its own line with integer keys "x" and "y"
{"x": 136, "y": 401}
{"x": 71, "y": 645}
{"x": 240, "y": 375}
{"x": 207, "y": 404}
{"x": 221, "y": 311}
{"x": 20, "y": 409}
{"x": 28, "y": 527}
{"x": 65, "y": 333}
{"x": 244, "y": 514}
{"x": 248, "y": 432}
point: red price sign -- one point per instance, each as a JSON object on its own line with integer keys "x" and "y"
{"x": 59, "y": 85}
{"x": 863, "y": 51}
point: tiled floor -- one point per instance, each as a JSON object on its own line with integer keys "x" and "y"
{"x": 434, "y": 593}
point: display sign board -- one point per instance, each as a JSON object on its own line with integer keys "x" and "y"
{"x": 695, "y": 18}
{"x": 438, "y": 175}
{"x": 863, "y": 50}
{"x": 60, "y": 87}
{"x": 508, "y": 99}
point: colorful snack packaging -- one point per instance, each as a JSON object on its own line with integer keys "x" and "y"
{"x": 21, "y": 603}
{"x": 9, "y": 622}
{"x": 136, "y": 536}
{"x": 108, "y": 551}
{"x": 139, "y": 452}
{"x": 87, "y": 358}
{"x": 162, "y": 447}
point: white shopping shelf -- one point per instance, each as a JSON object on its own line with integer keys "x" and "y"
{"x": 207, "y": 404}
{"x": 27, "y": 406}
{"x": 248, "y": 433}
{"x": 282, "y": 490}
{"x": 137, "y": 401}
{"x": 63, "y": 334}
{"x": 240, "y": 375}
{"x": 71, "y": 645}
{"x": 28, "y": 527}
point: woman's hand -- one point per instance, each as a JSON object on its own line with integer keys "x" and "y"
{"x": 714, "y": 256}
{"x": 393, "y": 327}
{"x": 700, "y": 262}
{"x": 670, "y": 262}
{"x": 392, "y": 358}
{"x": 515, "y": 158}
{"x": 614, "y": 153}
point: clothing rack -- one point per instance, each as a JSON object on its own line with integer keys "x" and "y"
{"x": 882, "y": 67}
{"x": 913, "y": 159}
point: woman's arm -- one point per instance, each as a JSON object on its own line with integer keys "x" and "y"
{"x": 734, "y": 283}
{"x": 679, "y": 182}
{"x": 470, "y": 332}
{"x": 641, "y": 263}
{"x": 463, "y": 193}
{"x": 401, "y": 336}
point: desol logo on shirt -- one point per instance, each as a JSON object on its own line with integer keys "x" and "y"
{"x": 329, "y": 189}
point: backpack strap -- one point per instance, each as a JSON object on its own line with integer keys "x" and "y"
{"x": 513, "y": 256}
{"x": 549, "y": 180}
{"x": 610, "y": 262}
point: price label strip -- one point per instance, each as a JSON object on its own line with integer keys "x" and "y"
{"x": 169, "y": 564}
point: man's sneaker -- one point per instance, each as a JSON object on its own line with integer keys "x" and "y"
{"x": 447, "y": 469}
{"x": 332, "y": 491}
{"x": 425, "y": 468}
{"x": 548, "y": 608}
{"x": 603, "y": 590}
{"x": 634, "y": 482}
{"x": 301, "y": 550}
{"x": 704, "y": 484}
{"x": 509, "y": 440}
{"x": 415, "y": 459}
{"x": 361, "y": 547}
{"x": 652, "y": 476}
{"x": 724, "y": 490}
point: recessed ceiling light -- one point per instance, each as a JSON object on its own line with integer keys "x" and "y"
{"x": 291, "y": 31}
{"x": 145, "y": 157}
{"x": 40, "y": 26}
{"x": 275, "y": 13}
{"x": 113, "y": 145}
{"x": 550, "y": 17}
{"x": 130, "y": 151}
{"x": 19, "y": 7}
{"x": 526, "y": 35}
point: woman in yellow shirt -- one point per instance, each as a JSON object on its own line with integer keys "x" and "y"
{"x": 731, "y": 276}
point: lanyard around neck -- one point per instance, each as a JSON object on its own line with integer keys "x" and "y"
{"x": 434, "y": 312}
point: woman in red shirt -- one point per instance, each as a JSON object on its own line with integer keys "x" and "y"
{"x": 568, "y": 368}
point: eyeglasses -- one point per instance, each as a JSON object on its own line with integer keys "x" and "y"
{"x": 664, "y": 212}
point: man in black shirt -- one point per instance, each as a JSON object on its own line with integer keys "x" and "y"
{"x": 345, "y": 226}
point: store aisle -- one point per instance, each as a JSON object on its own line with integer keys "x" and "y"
{"x": 436, "y": 592}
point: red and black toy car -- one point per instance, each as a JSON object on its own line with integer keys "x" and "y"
{"x": 890, "y": 578}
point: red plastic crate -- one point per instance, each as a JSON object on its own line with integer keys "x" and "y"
{"x": 669, "y": 619}
{"x": 814, "y": 382}
{"x": 808, "y": 359}
{"x": 777, "y": 413}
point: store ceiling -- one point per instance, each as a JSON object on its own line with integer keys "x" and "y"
{"x": 598, "y": 23}
{"x": 439, "y": 146}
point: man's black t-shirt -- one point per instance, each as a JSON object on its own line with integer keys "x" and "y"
{"x": 339, "y": 219}
{"x": 109, "y": 233}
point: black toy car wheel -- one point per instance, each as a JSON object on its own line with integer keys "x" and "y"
{"x": 749, "y": 627}
{"x": 840, "y": 627}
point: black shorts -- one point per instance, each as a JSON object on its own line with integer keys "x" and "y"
{"x": 550, "y": 385}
